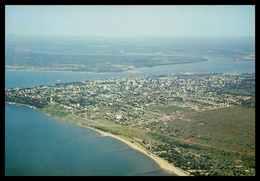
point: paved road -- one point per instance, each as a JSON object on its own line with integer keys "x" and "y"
{"x": 149, "y": 139}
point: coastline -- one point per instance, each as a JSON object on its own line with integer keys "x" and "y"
{"x": 125, "y": 71}
{"x": 20, "y": 104}
{"x": 163, "y": 164}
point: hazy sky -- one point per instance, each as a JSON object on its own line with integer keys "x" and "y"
{"x": 131, "y": 20}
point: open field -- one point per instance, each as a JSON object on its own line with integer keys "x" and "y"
{"x": 212, "y": 142}
{"x": 232, "y": 128}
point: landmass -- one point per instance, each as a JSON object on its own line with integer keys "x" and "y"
{"x": 117, "y": 55}
{"x": 190, "y": 124}
{"x": 102, "y": 63}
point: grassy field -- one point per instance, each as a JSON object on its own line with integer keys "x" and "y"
{"x": 224, "y": 143}
{"x": 225, "y": 146}
{"x": 104, "y": 125}
{"x": 231, "y": 128}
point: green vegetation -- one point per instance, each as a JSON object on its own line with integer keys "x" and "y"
{"x": 250, "y": 103}
{"x": 27, "y": 101}
{"x": 116, "y": 54}
{"x": 168, "y": 110}
{"x": 54, "y": 111}
{"x": 221, "y": 149}
{"x": 103, "y": 125}
{"x": 225, "y": 147}
{"x": 232, "y": 128}
{"x": 95, "y": 63}
{"x": 204, "y": 123}
{"x": 124, "y": 131}
{"x": 200, "y": 160}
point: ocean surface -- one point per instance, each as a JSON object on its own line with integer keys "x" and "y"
{"x": 38, "y": 144}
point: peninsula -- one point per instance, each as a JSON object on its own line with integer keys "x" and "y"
{"x": 102, "y": 63}
{"x": 190, "y": 124}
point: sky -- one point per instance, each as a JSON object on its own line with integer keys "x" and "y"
{"x": 127, "y": 21}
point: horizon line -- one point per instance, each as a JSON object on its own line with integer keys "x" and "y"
{"x": 137, "y": 36}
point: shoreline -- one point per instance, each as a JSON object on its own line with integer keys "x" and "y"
{"x": 123, "y": 72}
{"x": 163, "y": 164}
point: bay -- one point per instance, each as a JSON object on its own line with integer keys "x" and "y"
{"x": 36, "y": 78}
{"x": 37, "y": 144}
{"x": 213, "y": 65}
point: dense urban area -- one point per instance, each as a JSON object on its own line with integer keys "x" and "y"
{"x": 177, "y": 116}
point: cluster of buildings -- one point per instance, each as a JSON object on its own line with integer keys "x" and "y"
{"x": 127, "y": 100}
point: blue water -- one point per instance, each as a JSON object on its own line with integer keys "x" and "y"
{"x": 37, "y": 144}
{"x": 213, "y": 65}
{"x": 37, "y": 78}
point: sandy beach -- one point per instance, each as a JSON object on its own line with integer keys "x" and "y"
{"x": 161, "y": 162}
{"x": 167, "y": 167}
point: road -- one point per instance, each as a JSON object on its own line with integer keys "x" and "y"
{"x": 192, "y": 142}
{"x": 149, "y": 139}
